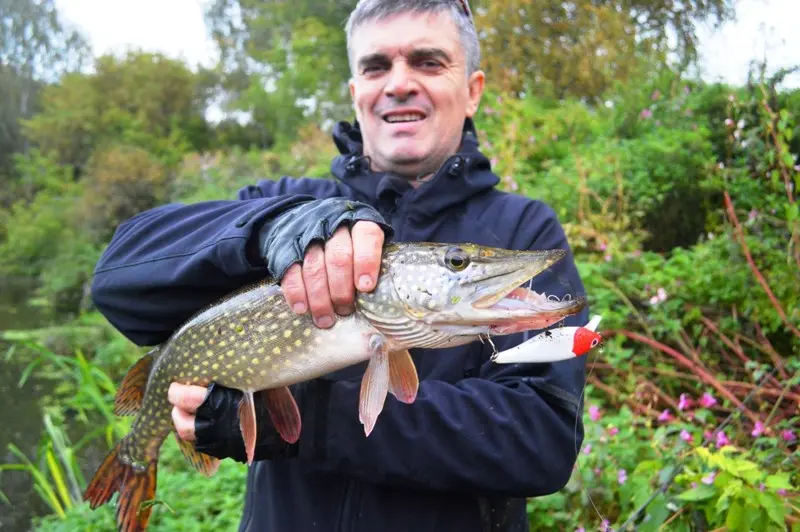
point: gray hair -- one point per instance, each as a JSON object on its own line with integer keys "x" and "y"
{"x": 374, "y": 10}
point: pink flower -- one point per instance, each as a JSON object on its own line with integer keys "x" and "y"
{"x": 684, "y": 402}
{"x": 594, "y": 413}
{"x": 613, "y": 431}
{"x": 707, "y": 400}
{"x": 665, "y": 416}
{"x": 685, "y": 435}
{"x": 709, "y": 479}
{"x": 587, "y": 449}
{"x": 646, "y": 113}
{"x": 758, "y": 429}
{"x": 788, "y": 435}
{"x": 722, "y": 439}
{"x": 622, "y": 476}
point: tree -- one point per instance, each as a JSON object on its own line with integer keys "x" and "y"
{"x": 141, "y": 99}
{"x": 36, "y": 48}
{"x": 296, "y": 52}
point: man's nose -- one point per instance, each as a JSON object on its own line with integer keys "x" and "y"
{"x": 402, "y": 82}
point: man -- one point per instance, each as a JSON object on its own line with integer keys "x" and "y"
{"x": 480, "y": 437}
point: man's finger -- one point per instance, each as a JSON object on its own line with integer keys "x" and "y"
{"x": 294, "y": 290}
{"x": 315, "y": 279}
{"x": 184, "y": 424}
{"x": 367, "y": 250}
{"x": 339, "y": 269}
{"x": 186, "y": 397}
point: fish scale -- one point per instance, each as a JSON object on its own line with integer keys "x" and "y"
{"x": 427, "y": 295}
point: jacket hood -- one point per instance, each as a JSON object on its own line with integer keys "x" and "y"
{"x": 466, "y": 173}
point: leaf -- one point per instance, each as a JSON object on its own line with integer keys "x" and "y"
{"x": 774, "y": 507}
{"x": 735, "y": 520}
{"x": 657, "y": 513}
{"x": 699, "y": 493}
{"x": 779, "y": 481}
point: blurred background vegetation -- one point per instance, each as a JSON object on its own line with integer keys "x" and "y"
{"x": 679, "y": 197}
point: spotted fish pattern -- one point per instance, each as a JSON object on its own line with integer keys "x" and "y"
{"x": 428, "y": 295}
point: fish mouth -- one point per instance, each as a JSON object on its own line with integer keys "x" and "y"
{"x": 523, "y": 309}
{"x": 500, "y": 304}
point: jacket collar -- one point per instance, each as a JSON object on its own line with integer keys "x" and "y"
{"x": 466, "y": 173}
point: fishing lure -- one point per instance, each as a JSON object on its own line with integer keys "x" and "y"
{"x": 553, "y": 345}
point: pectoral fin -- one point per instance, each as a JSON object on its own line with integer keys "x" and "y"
{"x": 283, "y": 412}
{"x": 207, "y": 465}
{"x": 374, "y": 385}
{"x": 403, "y": 379}
{"x": 247, "y": 423}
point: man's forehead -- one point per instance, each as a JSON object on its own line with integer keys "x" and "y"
{"x": 418, "y": 33}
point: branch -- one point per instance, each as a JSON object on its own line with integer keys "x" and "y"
{"x": 704, "y": 375}
{"x": 762, "y": 281}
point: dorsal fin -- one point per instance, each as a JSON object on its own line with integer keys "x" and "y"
{"x": 130, "y": 393}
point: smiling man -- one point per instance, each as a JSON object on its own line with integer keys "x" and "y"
{"x": 480, "y": 437}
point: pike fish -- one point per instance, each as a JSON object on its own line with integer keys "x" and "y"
{"x": 428, "y": 295}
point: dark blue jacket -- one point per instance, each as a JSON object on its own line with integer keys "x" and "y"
{"x": 479, "y": 438}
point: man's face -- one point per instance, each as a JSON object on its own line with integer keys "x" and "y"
{"x": 411, "y": 92}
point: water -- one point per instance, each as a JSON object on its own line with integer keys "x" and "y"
{"x": 20, "y": 414}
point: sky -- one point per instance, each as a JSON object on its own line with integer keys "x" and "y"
{"x": 177, "y": 28}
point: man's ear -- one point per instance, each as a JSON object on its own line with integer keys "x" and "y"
{"x": 476, "y": 84}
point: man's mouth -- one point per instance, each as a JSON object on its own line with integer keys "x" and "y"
{"x": 404, "y": 117}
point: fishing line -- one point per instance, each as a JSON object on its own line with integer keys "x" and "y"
{"x": 581, "y": 398}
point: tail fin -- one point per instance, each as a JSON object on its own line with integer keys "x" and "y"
{"x": 134, "y": 488}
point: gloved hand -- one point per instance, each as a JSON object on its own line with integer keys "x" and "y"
{"x": 284, "y": 241}
{"x": 217, "y": 431}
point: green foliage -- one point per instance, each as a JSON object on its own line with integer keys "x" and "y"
{"x": 143, "y": 99}
{"x": 678, "y": 198}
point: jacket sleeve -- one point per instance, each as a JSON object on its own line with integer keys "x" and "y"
{"x": 167, "y": 263}
{"x": 511, "y": 430}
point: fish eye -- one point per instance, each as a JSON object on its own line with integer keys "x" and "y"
{"x": 456, "y": 259}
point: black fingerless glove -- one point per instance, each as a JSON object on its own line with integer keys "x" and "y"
{"x": 284, "y": 241}
{"x": 217, "y": 431}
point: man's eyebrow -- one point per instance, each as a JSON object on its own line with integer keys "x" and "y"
{"x": 431, "y": 53}
{"x": 416, "y": 54}
{"x": 373, "y": 58}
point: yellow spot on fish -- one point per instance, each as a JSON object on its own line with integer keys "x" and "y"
{"x": 287, "y": 362}
{"x": 260, "y": 351}
{"x": 246, "y": 344}
{"x": 283, "y": 315}
{"x": 261, "y": 328}
{"x": 196, "y": 368}
{"x": 255, "y": 360}
{"x": 273, "y": 326}
{"x": 287, "y": 333}
{"x": 273, "y": 337}
{"x": 230, "y": 352}
{"x": 298, "y": 343}
{"x": 215, "y": 366}
{"x": 269, "y": 316}
{"x": 277, "y": 350}
{"x": 307, "y": 332}
{"x": 263, "y": 372}
{"x": 296, "y": 323}
{"x": 205, "y": 362}
{"x": 240, "y": 373}
{"x": 223, "y": 343}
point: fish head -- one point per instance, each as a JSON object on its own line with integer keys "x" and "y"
{"x": 466, "y": 289}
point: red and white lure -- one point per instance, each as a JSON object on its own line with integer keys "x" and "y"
{"x": 553, "y": 345}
